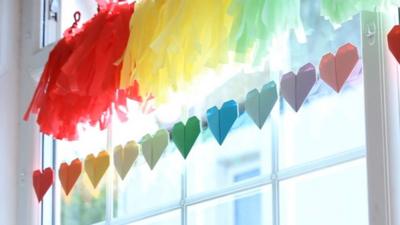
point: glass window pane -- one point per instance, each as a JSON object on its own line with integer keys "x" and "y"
{"x": 212, "y": 167}
{"x": 337, "y": 195}
{"x": 328, "y": 122}
{"x": 47, "y": 161}
{"x": 253, "y": 207}
{"x": 172, "y": 218}
{"x": 84, "y": 205}
{"x": 50, "y": 17}
{"x": 144, "y": 190}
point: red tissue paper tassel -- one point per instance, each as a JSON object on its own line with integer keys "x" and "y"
{"x": 80, "y": 83}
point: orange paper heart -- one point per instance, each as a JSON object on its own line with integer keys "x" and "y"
{"x": 69, "y": 174}
{"x": 336, "y": 69}
{"x": 95, "y": 167}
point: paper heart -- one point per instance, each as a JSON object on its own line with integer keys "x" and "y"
{"x": 220, "y": 121}
{"x": 259, "y": 104}
{"x": 296, "y": 88}
{"x": 42, "y": 181}
{"x": 184, "y": 136}
{"x": 96, "y": 167}
{"x": 125, "y": 157}
{"x": 394, "y": 42}
{"x": 336, "y": 69}
{"x": 154, "y": 146}
{"x": 69, "y": 174}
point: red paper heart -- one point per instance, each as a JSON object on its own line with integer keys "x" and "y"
{"x": 42, "y": 181}
{"x": 69, "y": 174}
{"x": 336, "y": 69}
{"x": 394, "y": 42}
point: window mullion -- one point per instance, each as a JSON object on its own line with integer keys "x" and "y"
{"x": 109, "y": 183}
{"x": 275, "y": 167}
{"x": 184, "y": 196}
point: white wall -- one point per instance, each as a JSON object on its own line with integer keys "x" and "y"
{"x": 9, "y": 116}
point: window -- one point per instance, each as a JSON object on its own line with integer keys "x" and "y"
{"x": 304, "y": 168}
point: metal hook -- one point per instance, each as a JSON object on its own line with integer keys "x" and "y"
{"x": 77, "y": 18}
{"x": 371, "y": 33}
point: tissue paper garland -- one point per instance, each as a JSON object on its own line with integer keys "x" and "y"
{"x": 257, "y": 22}
{"x": 171, "y": 42}
{"x": 72, "y": 90}
{"x": 174, "y": 45}
{"x": 338, "y": 12}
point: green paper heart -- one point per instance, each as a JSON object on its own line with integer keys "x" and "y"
{"x": 185, "y": 136}
{"x": 154, "y": 146}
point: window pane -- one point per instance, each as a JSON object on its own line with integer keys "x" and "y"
{"x": 84, "y": 205}
{"x": 144, "y": 190}
{"x": 47, "y": 161}
{"x": 212, "y": 167}
{"x": 172, "y": 218}
{"x": 50, "y": 28}
{"x": 328, "y": 122}
{"x": 253, "y": 207}
{"x": 336, "y": 195}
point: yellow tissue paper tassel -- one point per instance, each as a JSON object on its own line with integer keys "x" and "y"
{"x": 172, "y": 41}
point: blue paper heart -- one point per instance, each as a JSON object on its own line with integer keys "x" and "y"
{"x": 220, "y": 121}
{"x": 259, "y": 104}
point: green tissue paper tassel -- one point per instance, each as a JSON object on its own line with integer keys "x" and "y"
{"x": 257, "y": 22}
{"x": 339, "y": 11}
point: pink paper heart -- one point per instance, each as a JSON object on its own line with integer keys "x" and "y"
{"x": 336, "y": 69}
{"x": 295, "y": 88}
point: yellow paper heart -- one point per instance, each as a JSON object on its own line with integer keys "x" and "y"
{"x": 95, "y": 167}
{"x": 125, "y": 157}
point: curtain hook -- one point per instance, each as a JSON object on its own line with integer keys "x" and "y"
{"x": 77, "y": 18}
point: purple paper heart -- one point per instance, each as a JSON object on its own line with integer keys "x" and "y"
{"x": 296, "y": 88}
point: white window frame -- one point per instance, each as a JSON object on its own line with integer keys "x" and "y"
{"x": 381, "y": 85}
{"x": 382, "y": 129}
{"x": 2, "y": 40}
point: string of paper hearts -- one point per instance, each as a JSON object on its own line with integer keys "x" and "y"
{"x": 334, "y": 70}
